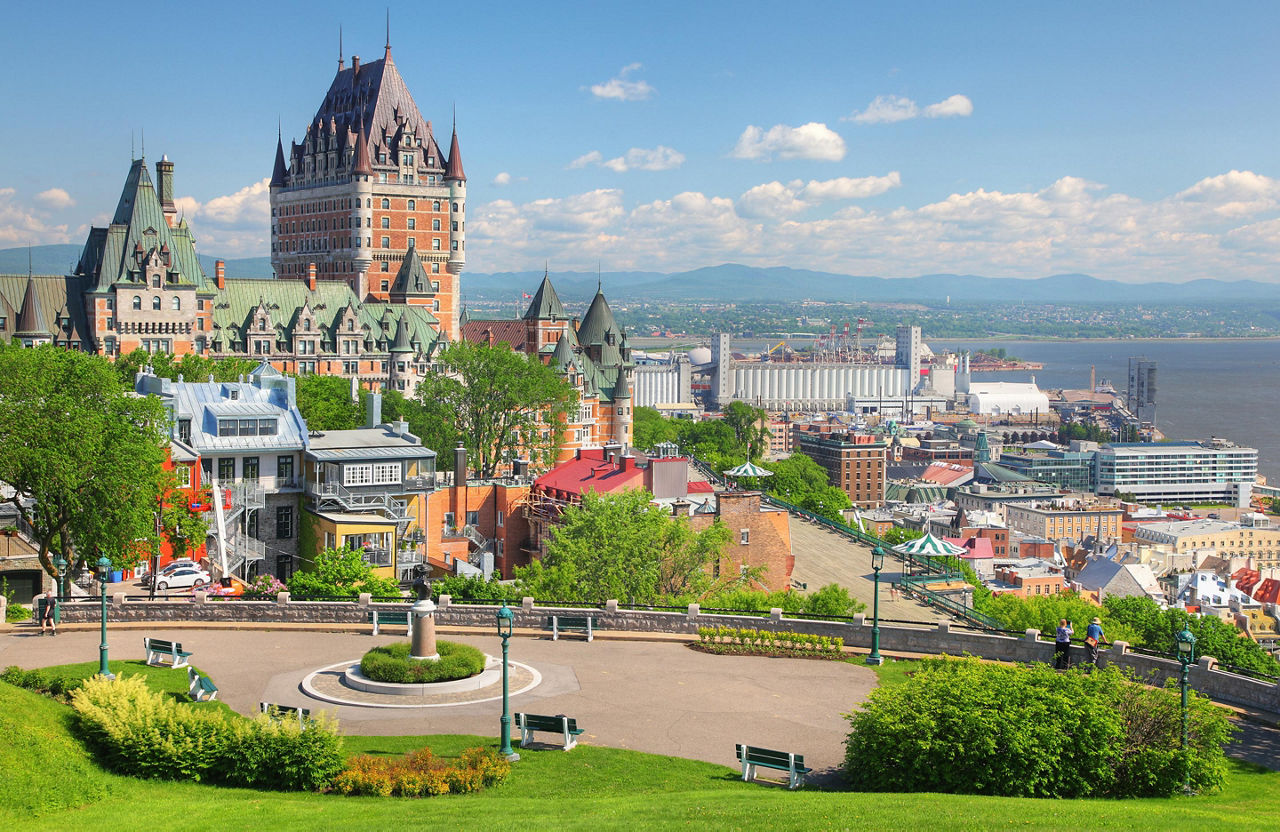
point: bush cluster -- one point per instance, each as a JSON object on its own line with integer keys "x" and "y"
{"x": 41, "y": 681}
{"x": 392, "y": 663}
{"x": 421, "y": 774}
{"x": 144, "y": 733}
{"x": 963, "y": 726}
{"x": 735, "y": 640}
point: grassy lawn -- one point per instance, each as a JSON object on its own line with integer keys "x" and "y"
{"x": 893, "y": 671}
{"x": 51, "y": 782}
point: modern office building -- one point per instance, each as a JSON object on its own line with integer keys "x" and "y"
{"x": 1069, "y": 470}
{"x": 1215, "y": 471}
{"x": 1140, "y": 397}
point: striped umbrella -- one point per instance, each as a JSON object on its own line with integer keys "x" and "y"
{"x": 929, "y": 546}
{"x": 748, "y": 469}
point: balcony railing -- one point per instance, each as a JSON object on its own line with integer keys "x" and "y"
{"x": 420, "y": 483}
{"x": 377, "y": 556}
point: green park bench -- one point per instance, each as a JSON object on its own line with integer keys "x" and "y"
{"x": 400, "y": 618}
{"x": 584, "y": 624}
{"x": 161, "y": 653}
{"x": 200, "y": 688}
{"x": 752, "y": 757}
{"x": 279, "y": 712}
{"x": 559, "y": 724}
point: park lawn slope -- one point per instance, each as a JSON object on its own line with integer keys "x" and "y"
{"x": 42, "y": 766}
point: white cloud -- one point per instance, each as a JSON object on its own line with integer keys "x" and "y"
{"x": 956, "y": 106}
{"x": 250, "y": 204}
{"x": 234, "y": 225}
{"x": 55, "y": 198}
{"x": 21, "y": 225}
{"x": 622, "y": 88}
{"x": 637, "y": 158}
{"x": 503, "y": 178}
{"x": 886, "y": 109}
{"x": 808, "y": 141}
{"x": 1225, "y": 226}
{"x": 778, "y": 199}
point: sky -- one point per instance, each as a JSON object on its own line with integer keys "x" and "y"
{"x": 1132, "y": 141}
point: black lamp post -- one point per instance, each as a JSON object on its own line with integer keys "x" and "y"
{"x": 104, "y": 572}
{"x": 505, "y": 617}
{"x": 877, "y": 563}
{"x": 1186, "y": 655}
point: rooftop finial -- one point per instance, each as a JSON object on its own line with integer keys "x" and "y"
{"x": 143, "y": 131}
{"x": 388, "y": 30}
{"x": 133, "y": 156}
{"x": 339, "y": 47}
{"x": 28, "y": 258}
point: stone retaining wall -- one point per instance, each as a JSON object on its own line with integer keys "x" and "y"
{"x": 928, "y": 639}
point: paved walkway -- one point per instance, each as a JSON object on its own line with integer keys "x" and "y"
{"x": 660, "y": 697}
{"x": 824, "y": 557}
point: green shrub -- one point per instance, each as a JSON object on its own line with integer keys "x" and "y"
{"x": 41, "y": 681}
{"x": 421, "y": 774}
{"x": 392, "y": 663}
{"x": 144, "y": 733}
{"x": 962, "y": 726}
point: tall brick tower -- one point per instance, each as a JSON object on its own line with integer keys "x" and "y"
{"x": 367, "y": 184}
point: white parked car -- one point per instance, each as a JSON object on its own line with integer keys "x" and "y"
{"x": 187, "y": 576}
{"x": 171, "y": 567}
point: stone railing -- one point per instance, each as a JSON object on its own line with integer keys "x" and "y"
{"x": 929, "y": 639}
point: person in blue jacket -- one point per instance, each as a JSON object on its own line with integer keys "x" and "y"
{"x": 1093, "y": 639}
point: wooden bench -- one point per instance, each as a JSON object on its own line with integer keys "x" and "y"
{"x": 200, "y": 688}
{"x": 281, "y": 711}
{"x": 560, "y": 724}
{"x": 161, "y": 652}
{"x": 752, "y": 757}
{"x": 402, "y": 618}
{"x": 585, "y": 624}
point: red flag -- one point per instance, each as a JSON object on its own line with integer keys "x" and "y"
{"x": 525, "y": 295}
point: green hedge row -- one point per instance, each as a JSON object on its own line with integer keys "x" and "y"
{"x": 743, "y": 638}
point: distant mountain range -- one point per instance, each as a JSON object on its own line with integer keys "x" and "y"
{"x": 750, "y": 283}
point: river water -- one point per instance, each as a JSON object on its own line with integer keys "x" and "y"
{"x": 1203, "y": 388}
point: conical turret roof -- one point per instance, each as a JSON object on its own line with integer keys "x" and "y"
{"x": 401, "y": 343}
{"x": 563, "y": 358}
{"x": 30, "y": 319}
{"x": 281, "y": 171}
{"x": 546, "y": 305}
{"x": 598, "y": 321}
{"x": 454, "y": 169}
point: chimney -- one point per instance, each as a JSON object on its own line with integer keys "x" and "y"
{"x": 311, "y": 276}
{"x": 355, "y": 65}
{"x": 626, "y": 463}
{"x": 220, "y": 273}
{"x": 460, "y": 465}
{"x": 164, "y": 180}
{"x": 401, "y": 428}
{"x": 373, "y": 409}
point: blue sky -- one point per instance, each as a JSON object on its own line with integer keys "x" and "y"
{"x": 1131, "y": 141}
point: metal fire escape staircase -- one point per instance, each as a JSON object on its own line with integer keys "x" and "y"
{"x": 231, "y": 507}
{"x": 331, "y": 496}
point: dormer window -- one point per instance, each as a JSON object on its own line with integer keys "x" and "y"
{"x": 306, "y": 326}
{"x": 262, "y": 324}
{"x": 431, "y": 161}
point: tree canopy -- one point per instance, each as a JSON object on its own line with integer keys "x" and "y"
{"x": 191, "y": 367}
{"x": 622, "y": 546}
{"x": 83, "y": 456}
{"x": 341, "y": 572}
{"x": 650, "y": 428}
{"x": 325, "y": 403}
{"x": 499, "y": 403}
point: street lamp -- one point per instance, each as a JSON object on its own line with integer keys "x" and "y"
{"x": 104, "y": 572}
{"x": 61, "y": 564}
{"x": 1186, "y": 655}
{"x": 877, "y": 563}
{"x": 505, "y": 617}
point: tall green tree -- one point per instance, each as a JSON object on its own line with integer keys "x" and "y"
{"x": 325, "y": 403}
{"x": 191, "y": 367}
{"x": 83, "y": 457}
{"x": 429, "y": 421}
{"x": 500, "y": 402}
{"x": 622, "y": 546}
{"x": 650, "y": 428}
{"x": 341, "y": 572}
{"x": 750, "y": 428}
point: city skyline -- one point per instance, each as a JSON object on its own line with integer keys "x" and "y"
{"x": 996, "y": 139}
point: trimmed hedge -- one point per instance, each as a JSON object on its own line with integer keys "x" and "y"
{"x": 392, "y": 663}
{"x": 144, "y": 733}
{"x": 783, "y": 642}
{"x": 962, "y": 726}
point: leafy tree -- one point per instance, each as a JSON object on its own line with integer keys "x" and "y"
{"x": 622, "y": 546}
{"x": 897, "y": 535}
{"x": 325, "y": 403}
{"x": 427, "y": 420}
{"x": 796, "y": 477}
{"x": 650, "y": 428}
{"x": 191, "y": 367}
{"x": 341, "y": 572}
{"x": 183, "y": 528}
{"x": 501, "y": 402}
{"x": 1157, "y": 629}
{"x": 827, "y": 502}
{"x": 749, "y": 428}
{"x": 83, "y": 457}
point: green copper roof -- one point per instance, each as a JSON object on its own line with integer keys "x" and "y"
{"x": 598, "y": 321}
{"x": 546, "y": 305}
{"x": 412, "y": 278}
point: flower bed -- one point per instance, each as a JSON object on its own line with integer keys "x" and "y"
{"x": 392, "y": 663}
{"x": 421, "y": 774}
{"x": 746, "y": 642}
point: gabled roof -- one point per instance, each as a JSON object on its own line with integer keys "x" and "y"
{"x": 30, "y": 320}
{"x": 503, "y": 331}
{"x": 412, "y": 278}
{"x": 55, "y": 298}
{"x": 546, "y": 305}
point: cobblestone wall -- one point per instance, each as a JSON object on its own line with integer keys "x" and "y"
{"x": 937, "y": 639}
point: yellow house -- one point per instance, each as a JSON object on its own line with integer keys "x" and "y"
{"x": 366, "y": 489}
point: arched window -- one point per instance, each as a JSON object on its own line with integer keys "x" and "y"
{"x": 455, "y": 206}
{"x": 413, "y": 205}
{"x": 386, "y": 203}
{"x": 435, "y": 206}
{"x": 155, "y": 302}
{"x": 137, "y": 302}
{"x": 177, "y": 304}
{"x": 368, "y": 203}
{"x": 306, "y": 325}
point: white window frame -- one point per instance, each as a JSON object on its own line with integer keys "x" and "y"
{"x": 388, "y": 473}
{"x": 357, "y": 474}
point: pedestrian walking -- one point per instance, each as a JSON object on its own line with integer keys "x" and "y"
{"x": 1062, "y": 645}
{"x": 1093, "y": 639}
{"x": 47, "y": 619}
